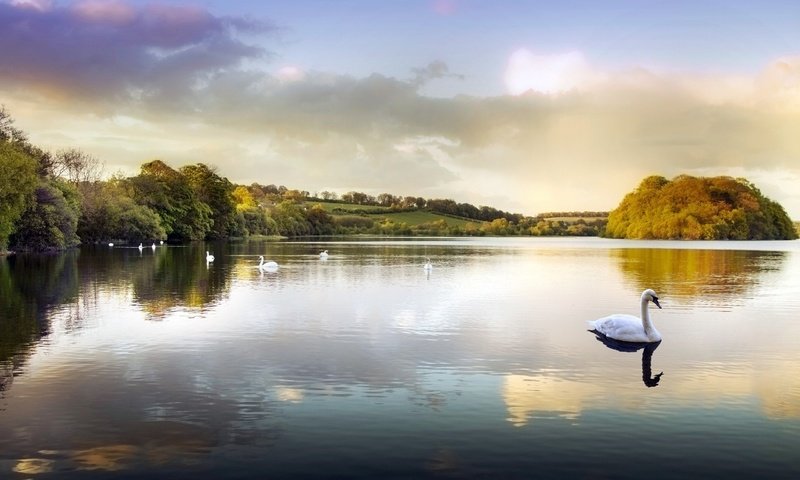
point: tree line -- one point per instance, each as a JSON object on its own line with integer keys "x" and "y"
{"x": 53, "y": 201}
{"x": 443, "y": 206}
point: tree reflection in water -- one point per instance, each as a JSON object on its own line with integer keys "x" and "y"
{"x": 697, "y": 275}
{"x": 34, "y": 287}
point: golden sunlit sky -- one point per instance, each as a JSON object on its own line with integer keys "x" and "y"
{"x": 527, "y": 106}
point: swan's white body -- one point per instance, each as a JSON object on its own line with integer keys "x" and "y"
{"x": 266, "y": 266}
{"x": 323, "y": 254}
{"x": 140, "y": 247}
{"x": 153, "y": 246}
{"x": 428, "y": 267}
{"x": 111, "y": 244}
{"x": 209, "y": 257}
{"x": 629, "y": 328}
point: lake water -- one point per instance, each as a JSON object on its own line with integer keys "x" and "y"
{"x": 127, "y": 364}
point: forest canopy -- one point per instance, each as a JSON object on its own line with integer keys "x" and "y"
{"x": 699, "y": 208}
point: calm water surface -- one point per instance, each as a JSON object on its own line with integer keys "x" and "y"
{"x": 127, "y": 364}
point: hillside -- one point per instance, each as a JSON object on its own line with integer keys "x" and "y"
{"x": 411, "y": 217}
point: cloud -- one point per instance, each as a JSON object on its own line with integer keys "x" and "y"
{"x": 433, "y": 71}
{"x": 40, "y": 5}
{"x": 113, "y": 49}
{"x": 377, "y": 132}
{"x": 546, "y": 73}
{"x": 290, "y": 73}
{"x": 571, "y": 137}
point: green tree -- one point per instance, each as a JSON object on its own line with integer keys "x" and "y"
{"x": 17, "y": 184}
{"x": 290, "y": 219}
{"x": 108, "y": 213}
{"x": 168, "y": 193}
{"x": 217, "y": 193}
{"x": 320, "y": 221}
{"x": 51, "y": 222}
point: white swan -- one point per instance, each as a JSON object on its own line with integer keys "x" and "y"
{"x": 323, "y": 254}
{"x": 209, "y": 257}
{"x": 428, "y": 267}
{"x": 629, "y": 328}
{"x": 140, "y": 247}
{"x": 153, "y": 246}
{"x": 111, "y": 244}
{"x": 269, "y": 266}
{"x": 161, "y": 242}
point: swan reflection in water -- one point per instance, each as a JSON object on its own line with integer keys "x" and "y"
{"x": 647, "y": 355}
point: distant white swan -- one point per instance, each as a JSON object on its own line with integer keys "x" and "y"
{"x": 153, "y": 246}
{"x": 209, "y": 257}
{"x": 140, "y": 247}
{"x": 269, "y": 266}
{"x": 162, "y": 242}
{"x": 428, "y": 267}
{"x": 111, "y": 244}
{"x": 323, "y": 254}
{"x": 629, "y": 328}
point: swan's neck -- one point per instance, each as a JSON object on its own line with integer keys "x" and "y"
{"x": 646, "y": 322}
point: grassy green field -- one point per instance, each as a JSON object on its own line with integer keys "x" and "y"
{"x": 574, "y": 219}
{"x": 420, "y": 217}
{"x": 330, "y": 206}
{"x": 410, "y": 218}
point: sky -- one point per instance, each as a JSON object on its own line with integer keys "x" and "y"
{"x": 526, "y": 106}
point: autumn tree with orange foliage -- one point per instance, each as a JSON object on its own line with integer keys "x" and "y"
{"x": 699, "y": 208}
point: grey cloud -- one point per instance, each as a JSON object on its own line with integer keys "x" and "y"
{"x": 317, "y": 125}
{"x": 434, "y": 70}
{"x": 107, "y": 49}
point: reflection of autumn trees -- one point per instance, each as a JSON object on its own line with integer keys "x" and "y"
{"x": 178, "y": 277}
{"x": 689, "y": 272}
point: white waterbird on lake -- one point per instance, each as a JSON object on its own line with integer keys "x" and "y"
{"x": 428, "y": 267}
{"x": 323, "y": 254}
{"x": 209, "y": 257}
{"x": 269, "y": 266}
{"x": 630, "y": 328}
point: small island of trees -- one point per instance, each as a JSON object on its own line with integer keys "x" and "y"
{"x": 699, "y": 208}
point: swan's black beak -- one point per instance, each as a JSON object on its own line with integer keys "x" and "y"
{"x": 655, "y": 300}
